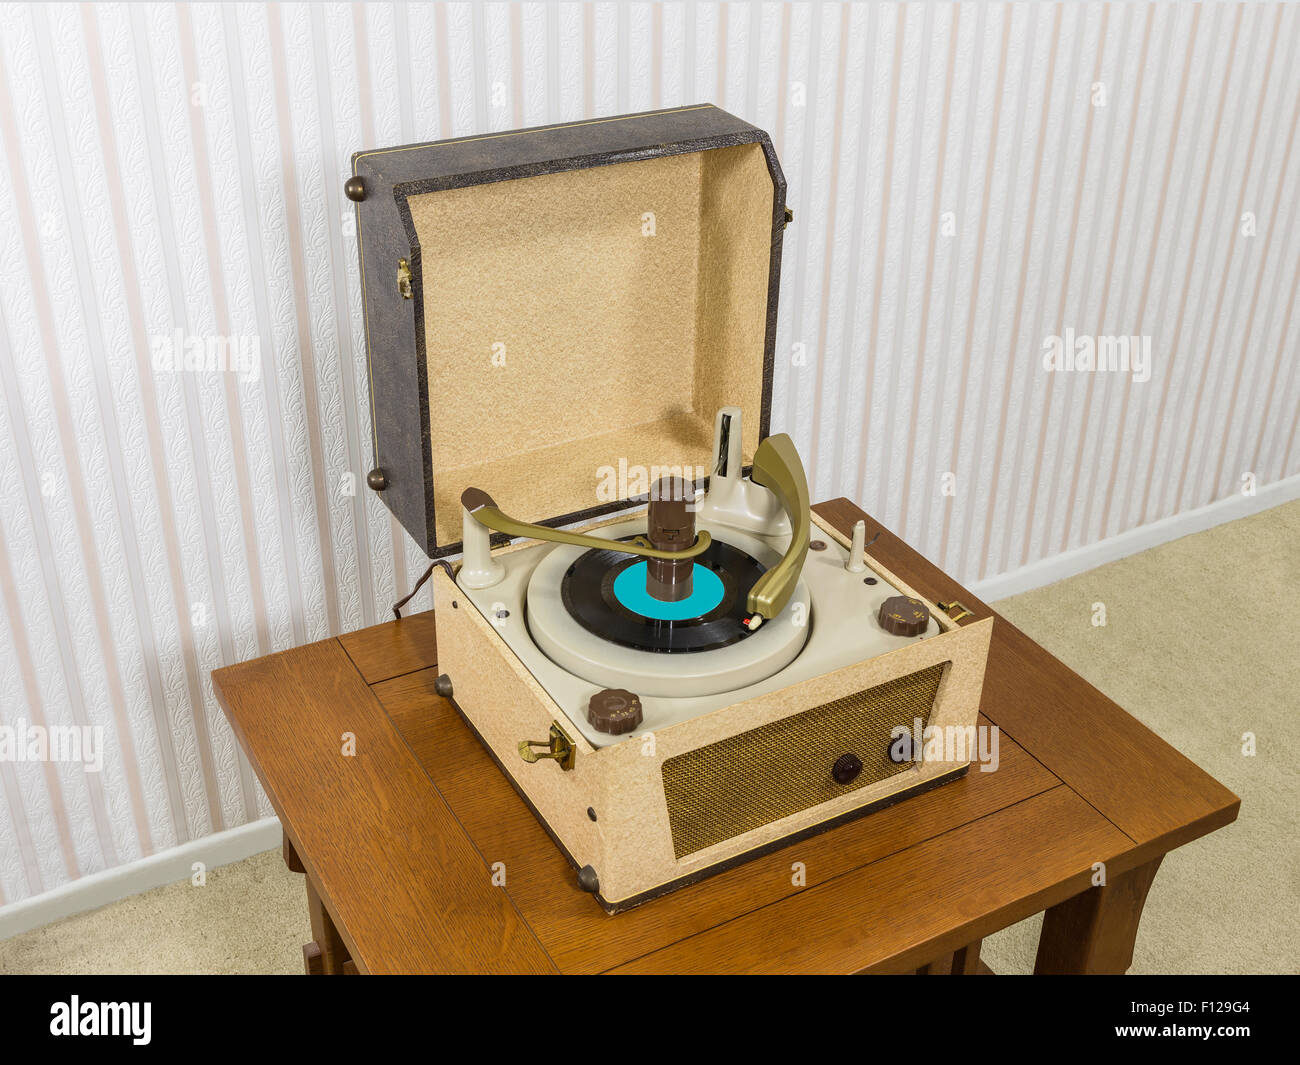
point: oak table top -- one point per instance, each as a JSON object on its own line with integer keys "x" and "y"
{"x": 400, "y": 841}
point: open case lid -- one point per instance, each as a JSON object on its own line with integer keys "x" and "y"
{"x": 551, "y": 314}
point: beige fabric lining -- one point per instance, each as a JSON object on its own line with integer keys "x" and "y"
{"x": 561, "y": 340}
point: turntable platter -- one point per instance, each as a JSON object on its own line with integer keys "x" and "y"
{"x": 605, "y": 592}
{"x": 588, "y": 612}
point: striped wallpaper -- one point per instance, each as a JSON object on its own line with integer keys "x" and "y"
{"x": 967, "y": 181}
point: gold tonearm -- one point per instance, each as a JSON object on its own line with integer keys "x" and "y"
{"x": 776, "y": 467}
{"x": 485, "y": 511}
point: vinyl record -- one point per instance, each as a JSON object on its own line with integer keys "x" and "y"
{"x": 604, "y": 591}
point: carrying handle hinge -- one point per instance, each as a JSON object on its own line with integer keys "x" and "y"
{"x": 558, "y": 746}
{"x": 961, "y": 610}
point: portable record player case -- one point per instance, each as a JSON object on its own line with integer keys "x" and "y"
{"x": 546, "y": 306}
{"x": 496, "y": 273}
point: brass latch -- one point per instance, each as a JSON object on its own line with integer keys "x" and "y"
{"x": 789, "y": 217}
{"x": 559, "y": 747}
{"x": 962, "y": 611}
{"x": 404, "y": 279}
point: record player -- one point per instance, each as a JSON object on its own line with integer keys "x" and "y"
{"x": 570, "y": 336}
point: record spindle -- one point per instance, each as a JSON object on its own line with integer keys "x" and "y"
{"x": 671, "y": 521}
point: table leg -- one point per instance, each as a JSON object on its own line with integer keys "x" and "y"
{"x": 326, "y": 954}
{"x": 966, "y": 962}
{"x": 962, "y": 962}
{"x": 1093, "y": 932}
{"x": 291, "y": 858}
{"x": 941, "y": 966}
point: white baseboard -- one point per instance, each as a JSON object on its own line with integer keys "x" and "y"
{"x": 166, "y": 867}
{"x": 1081, "y": 559}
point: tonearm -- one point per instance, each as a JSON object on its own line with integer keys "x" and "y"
{"x": 776, "y": 467}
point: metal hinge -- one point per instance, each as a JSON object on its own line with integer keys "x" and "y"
{"x": 962, "y": 611}
{"x": 404, "y": 279}
{"x": 558, "y": 746}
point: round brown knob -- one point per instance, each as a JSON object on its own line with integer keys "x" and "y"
{"x": 377, "y": 480}
{"x": 355, "y": 189}
{"x": 902, "y": 615}
{"x": 846, "y": 768}
{"x": 614, "y": 710}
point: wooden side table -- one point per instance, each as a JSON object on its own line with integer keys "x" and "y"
{"x": 420, "y": 857}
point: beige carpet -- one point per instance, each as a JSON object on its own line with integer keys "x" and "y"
{"x": 1202, "y": 645}
{"x": 1201, "y": 642}
{"x": 250, "y": 917}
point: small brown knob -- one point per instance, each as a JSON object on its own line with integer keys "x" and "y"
{"x": 614, "y": 710}
{"x": 846, "y": 768}
{"x": 355, "y": 189}
{"x": 377, "y": 480}
{"x": 902, "y": 615}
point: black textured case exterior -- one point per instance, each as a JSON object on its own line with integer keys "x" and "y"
{"x": 400, "y": 402}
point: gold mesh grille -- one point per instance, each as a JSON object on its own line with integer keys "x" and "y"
{"x": 752, "y": 779}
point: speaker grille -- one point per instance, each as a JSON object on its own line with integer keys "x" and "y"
{"x": 754, "y": 778}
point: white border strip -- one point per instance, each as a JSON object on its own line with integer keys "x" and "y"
{"x": 99, "y": 889}
{"x": 1081, "y": 559}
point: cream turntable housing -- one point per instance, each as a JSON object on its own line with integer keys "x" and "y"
{"x": 676, "y": 678}
{"x": 664, "y": 738}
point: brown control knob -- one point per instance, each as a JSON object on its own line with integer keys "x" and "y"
{"x": 846, "y": 768}
{"x": 902, "y": 615}
{"x": 614, "y": 710}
